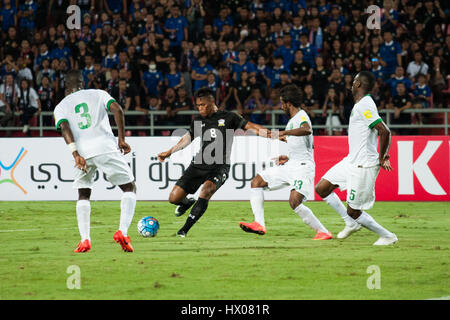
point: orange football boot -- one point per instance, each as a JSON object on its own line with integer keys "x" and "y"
{"x": 125, "y": 242}
{"x": 253, "y": 227}
{"x": 83, "y": 246}
{"x": 323, "y": 236}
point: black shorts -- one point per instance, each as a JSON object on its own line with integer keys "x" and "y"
{"x": 193, "y": 177}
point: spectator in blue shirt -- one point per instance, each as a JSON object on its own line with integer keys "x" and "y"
{"x": 390, "y": 53}
{"x": 422, "y": 93}
{"x": 296, "y": 5}
{"x": 88, "y": 70}
{"x": 27, "y": 15}
{"x": 152, "y": 80}
{"x": 397, "y": 78}
{"x": 223, "y": 18}
{"x": 176, "y": 27}
{"x": 200, "y": 73}
{"x": 275, "y": 73}
{"x": 116, "y": 6}
{"x": 422, "y": 97}
{"x": 242, "y": 65}
{"x": 174, "y": 78}
{"x": 377, "y": 69}
{"x": 389, "y": 16}
{"x": 257, "y": 5}
{"x": 8, "y": 15}
{"x": 337, "y": 16}
{"x": 112, "y": 59}
{"x": 43, "y": 54}
{"x": 309, "y": 51}
{"x": 297, "y": 29}
{"x": 287, "y": 50}
{"x": 61, "y": 51}
{"x": 282, "y": 4}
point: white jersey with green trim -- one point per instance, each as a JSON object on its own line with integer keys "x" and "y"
{"x": 300, "y": 148}
{"x": 86, "y": 111}
{"x": 362, "y": 137}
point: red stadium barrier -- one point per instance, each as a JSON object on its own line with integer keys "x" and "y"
{"x": 421, "y": 167}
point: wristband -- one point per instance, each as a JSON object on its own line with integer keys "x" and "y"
{"x": 72, "y": 147}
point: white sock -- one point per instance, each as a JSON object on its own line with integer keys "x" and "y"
{"x": 334, "y": 202}
{"x": 309, "y": 218}
{"x": 127, "y": 207}
{"x": 257, "y": 203}
{"x": 84, "y": 218}
{"x": 367, "y": 221}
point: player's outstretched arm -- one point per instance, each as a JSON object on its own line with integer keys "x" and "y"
{"x": 80, "y": 162}
{"x": 385, "y": 143}
{"x": 258, "y": 129}
{"x": 119, "y": 118}
{"x": 184, "y": 142}
{"x": 304, "y": 130}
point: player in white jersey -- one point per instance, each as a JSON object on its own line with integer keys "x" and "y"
{"x": 295, "y": 170}
{"x": 82, "y": 117}
{"x": 358, "y": 172}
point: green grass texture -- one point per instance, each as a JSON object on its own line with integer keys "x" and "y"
{"x": 217, "y": 260}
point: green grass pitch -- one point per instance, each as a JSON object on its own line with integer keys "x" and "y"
{"x": 218, "y": 260}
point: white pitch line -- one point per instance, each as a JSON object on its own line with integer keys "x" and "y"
{"x": 441, "y": 298}
{"x": 68, "y": 228}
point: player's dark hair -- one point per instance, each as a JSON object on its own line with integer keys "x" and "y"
{"x": 74, "y": 80}
{"x": 291, "y": 93}
{"x": 367, "y": 80}
{"x": 204, "y": 92}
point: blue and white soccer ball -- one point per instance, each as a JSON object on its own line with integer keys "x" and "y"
{"x": 148, "y": 227}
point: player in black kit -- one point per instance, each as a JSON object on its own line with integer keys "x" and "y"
{"x": 211, "y": 165}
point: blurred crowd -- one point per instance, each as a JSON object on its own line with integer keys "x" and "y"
{"x": 153, "y": 54}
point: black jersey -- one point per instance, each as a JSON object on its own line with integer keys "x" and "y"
{"x": 216, "y": 138}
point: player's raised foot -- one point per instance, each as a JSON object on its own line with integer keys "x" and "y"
{"x": 83, "y": 246}
{"x": 181, "y": 209}
{"x": 386, "y": 241}
{"x": 124, "y": 242}
{"x": 253, "y": 227}
{"x": 181, "y": 234}
{"x": 323, "y": 236}
{"x": 348, "y": 230}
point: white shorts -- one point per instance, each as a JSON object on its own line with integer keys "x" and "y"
{"x": 298, "y": 176}
{"x": 113, "y": 165}
{"x": 358, "y": 181}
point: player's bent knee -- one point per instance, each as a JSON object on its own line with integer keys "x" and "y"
{"x": 324, "y": 188}
{"x": 295, "y": 199}
{"x": 177, "y": 195}
{"x": 209, "y": 188}
{"x": 258, "y": 182}
{"x": 84, "y": 194}
{"x": 129, "y": 187}
{"x": 353, "y": 213}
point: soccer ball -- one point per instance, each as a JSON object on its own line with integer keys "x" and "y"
{"x": 148, "y": 227}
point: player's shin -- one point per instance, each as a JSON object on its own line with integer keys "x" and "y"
{"x": 127, "y": 207}
{"x": 310, "y": 219}
{"x": 257, "y": 203}
{"x": 333, "y": 201}
{"x": 367, "y": 221}
{"x": 196, "y": 213}
{"x": 83, "y": 209}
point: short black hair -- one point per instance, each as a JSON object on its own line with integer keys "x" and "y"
{"x": 74, "y": 79}
{"x": 367, "y": 80}
{"x": 291, "y": 93}
{"x": 204, "y": 92}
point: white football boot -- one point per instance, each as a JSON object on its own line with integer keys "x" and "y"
{"x": 348, "y": 230}
{"x": 385, "y": 241}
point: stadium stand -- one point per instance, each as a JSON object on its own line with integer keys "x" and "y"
{"x": 152, "y": 55}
